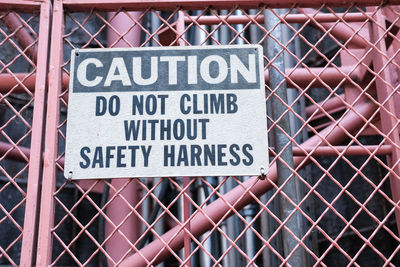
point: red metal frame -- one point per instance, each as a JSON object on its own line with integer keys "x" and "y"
{"x": 37, "y": 50}
{"x": 389, "y": 120}
{"x": 45, "y": 239}
{"x": 35, "y": 159}
{"x": 358, "y": 104}
{"x": 217, "y": 4}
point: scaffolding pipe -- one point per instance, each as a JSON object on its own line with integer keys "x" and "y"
{"x": 345, "y": 33}
{"x": 248, "y": 211}
{"x": 224, "y": 242}
{"x": 345, "y": 150}
{"x": 117, "y": 210}
{"x": 322, "y": 21}
{"x": 231, "y": 224}
{"x": 304, "y": 77}
{"x": 282, "y": 142}
{"x": 21, "y": 153}
{"x": 154, "y": 26}
{"x": 22, "y": 35}
{"x": 204, "y": 259}
{"x": 330, "y": 106}
{"x": 14, "y": 152}
{"x": 244, "y": 193}
{"x": 320, "y": 77}
{"x": 106, "y": 5}
{"x": 290, "y": 18}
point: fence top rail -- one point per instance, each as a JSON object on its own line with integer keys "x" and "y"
{"x": 109, "y": 5}
{"x": 21, "y": 5}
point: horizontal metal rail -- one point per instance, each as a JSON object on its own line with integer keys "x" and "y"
{"x": 108, "y": 5}
{"x": 312, "y": 77}
{"x": 289, "y": 18}
{"x": 21, "y": 153}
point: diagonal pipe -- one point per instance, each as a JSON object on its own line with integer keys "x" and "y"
{"x": 22, "y": 35}
{"x": 341, "y": 31}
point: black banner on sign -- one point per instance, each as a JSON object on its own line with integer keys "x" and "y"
{"x": 165, "y": 70}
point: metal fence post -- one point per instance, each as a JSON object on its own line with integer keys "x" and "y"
{"x": 281, "y": 133}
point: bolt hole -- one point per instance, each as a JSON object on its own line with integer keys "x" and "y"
{"x": 263, "y": 174}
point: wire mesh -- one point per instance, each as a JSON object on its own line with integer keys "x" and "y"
{"x": 332, "y": 200}
{"x": 23, "y": 79}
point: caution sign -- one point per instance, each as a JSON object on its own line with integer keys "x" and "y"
{"x": 176, "y": 111}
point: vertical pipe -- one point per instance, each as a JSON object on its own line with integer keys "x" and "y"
{"x": 249, "y": 210}
{"x": 254, "y": 30}
{"x": 180, "y": 216}
{"x": 250, "y": 239}
{"x": 180, "y": 28}
{"x": 196, "y": 37}
{"x": 224, "y": 242}
{"x": 215, "y": 35}
{"x": 239, "y": 28}
{"x": 224, "y": 33}
{"x": 146, "y": 203}
{"x": 312, "y": 241}
{"x": 296, "y": 123}
{"x": 231, "y": 223}
{"x": 292, "y": 93}
{"x": 204, "y": 259}
{"x": 277, "y": 83}
{"x": 248, "y": 235}
{"x": 267, "y": 222}
{"x": 155, "y": 24}
{"x": 117, "y": 210}
{"x": 159, "y": 226}
{"x": 215, "y": 237}
{"x": 186, "y": 216}
{"x": 269, "y": 226}
{"x": 199, "y": 33}
{"x": 199, "y": 37}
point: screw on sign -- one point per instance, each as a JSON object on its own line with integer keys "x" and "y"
{"x": 147, "y": 112}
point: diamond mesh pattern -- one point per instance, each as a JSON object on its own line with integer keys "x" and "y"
{"x": 21, "y": 121}
{"x": 341, "y": 71}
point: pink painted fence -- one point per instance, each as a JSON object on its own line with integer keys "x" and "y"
{"x": 331, "y": 196}
{"x": 24, "y": 46}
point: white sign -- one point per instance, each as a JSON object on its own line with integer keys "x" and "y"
{"x": 157, "y": 112}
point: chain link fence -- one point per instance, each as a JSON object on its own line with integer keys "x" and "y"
{"x": 331, "y": 196}
{"x": 24, "y": 30}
